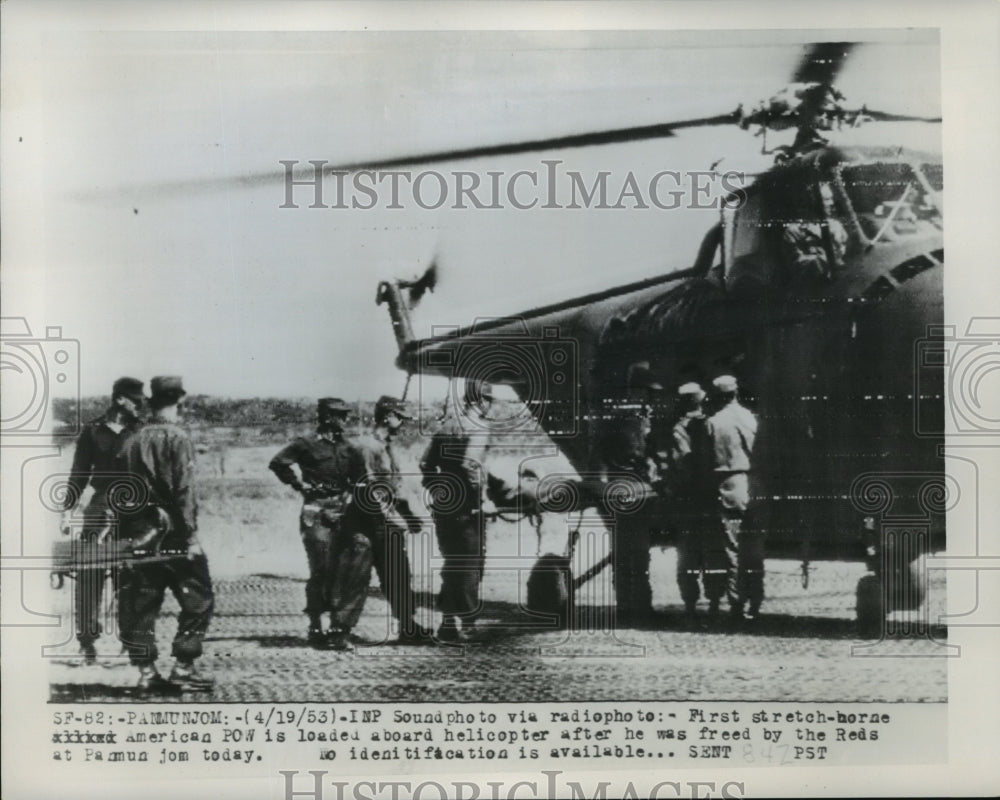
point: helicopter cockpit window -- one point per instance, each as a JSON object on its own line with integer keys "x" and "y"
{"x": 890, "y": 200}
{"x": 813, "y": 239}
{"x": 744, "y": 240}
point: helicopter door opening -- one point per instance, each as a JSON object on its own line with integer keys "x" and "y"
{"x": 743, "y": 242}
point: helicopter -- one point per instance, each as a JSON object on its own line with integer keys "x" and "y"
{"x": 817, "y": 289}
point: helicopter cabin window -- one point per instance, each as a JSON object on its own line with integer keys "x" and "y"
{"x": 890, "y": 200}
{"x": 813, "y": 238}
{"x": 744, "y": 242}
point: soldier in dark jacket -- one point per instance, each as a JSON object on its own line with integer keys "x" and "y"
{"x": 330, "y": 467}
{"x": 700, "y": 550}
{"x": 627, "y": 458}
{"x": 94, "y": 465}
{"x": 164, "y": 520}
{"x": 453, "y": 469}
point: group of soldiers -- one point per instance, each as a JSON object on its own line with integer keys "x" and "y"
{"x": 692, "y": 476}
{"x": 159, "y": 515}
{"x": 707, "y": 483}
{"x": 354, "y": 518}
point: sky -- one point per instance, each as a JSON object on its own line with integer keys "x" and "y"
{"x": 144, "y": 235}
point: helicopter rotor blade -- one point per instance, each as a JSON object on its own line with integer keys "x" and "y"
{"x": 885, "y": 116}
{"x": 593, "y": 138}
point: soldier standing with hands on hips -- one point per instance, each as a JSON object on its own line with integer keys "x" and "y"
{"x": 331, "y": 465}
{"x": 94, "y": 464}
{"x": 166, "y": 519}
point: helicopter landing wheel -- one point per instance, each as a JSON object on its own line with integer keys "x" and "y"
{"x": 550, "y": 589}
{"x": 870, "y": 607}
{"x": 904, "y": 588}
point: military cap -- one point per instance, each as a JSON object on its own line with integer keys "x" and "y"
{"x": 163, "y": 385}
{"x": 387, "y": 405}
{"x": 725, "y": 384}
{"x": 128, "y": 387}
{"x": 332, "y": 405}
{"x": 691, "y": 389}
{"x": 640, "y": 376}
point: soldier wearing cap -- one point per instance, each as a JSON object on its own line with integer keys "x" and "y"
{"x": 330, "y": 466}
{"x": 453, "y": 469}
{"x": 93, "y": 465}
{"x": 734, "y": 429}
{"x": 386, "y": 519}
{"x": 700, "y": 554}
{"x": 627, "y": 454}
{"x": 161, "y": 456}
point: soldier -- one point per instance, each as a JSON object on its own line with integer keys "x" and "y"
{"x": 626, "y": 455}
{"x": 331, "y": 466}
{"x": 387, "y": 527}
{"x": 162, "y": 457}
{"x": 733, "y": 430}
{"x": 806, "y": 241}
{"x": 93, "y": 462}
{"x": 453, "y": 469}
{"x": 699, "y": 553}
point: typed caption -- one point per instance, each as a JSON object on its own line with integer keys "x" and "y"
{"x": 448, "y": 737}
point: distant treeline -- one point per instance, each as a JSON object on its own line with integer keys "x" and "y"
{"x": 206, "y": 410}
{"x": 222, "y": 420}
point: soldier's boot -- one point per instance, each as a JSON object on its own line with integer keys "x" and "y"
{"x": 315, "y": 636}
{"x": 151, "y": 682}
{"x": 338, "y": 639}
{"x": 690, "y": 620}
{"x": 89, "y": 653}
{"x": 415, "y": 634}
{"x": 713, "y": 614}
{"x": 449, "y": 632}
{"x": 470, "y": 631}
{"x": 186, "y": 675}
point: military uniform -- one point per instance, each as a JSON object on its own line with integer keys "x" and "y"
{"x": 161, "y": 455}
{"x": 386, "y": 519}
{"x": 93, "y": 460}
{"x": 805, "y": 245}
{"x": 453, "y": 470}
{"x": 701, "y": 550}
{"x": 337, "y": 549}
{"x": 625, "y": 454}
{"x": 734, "y": 429}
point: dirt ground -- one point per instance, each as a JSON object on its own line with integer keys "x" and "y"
{"x": 803, "y": 647}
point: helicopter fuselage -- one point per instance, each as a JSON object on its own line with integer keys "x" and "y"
{"x": 816, "y": 291}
